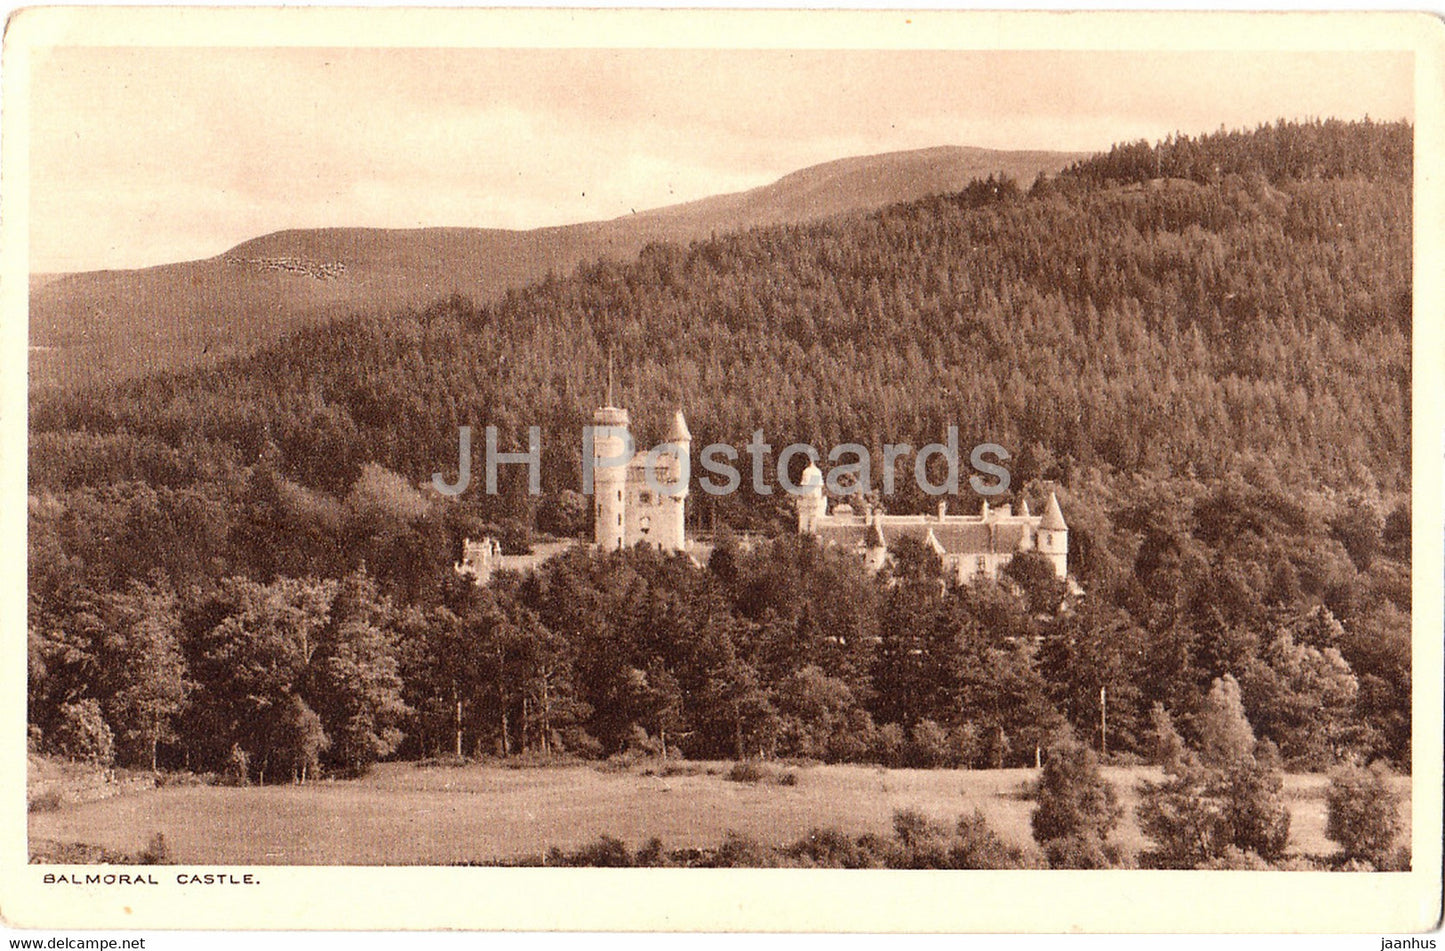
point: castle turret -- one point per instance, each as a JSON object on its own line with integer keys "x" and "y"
{"x": 611, "y": 444}
{"x": 676, "y": 523}
{"x": 812, "y": 504}
{"x": 1054, "y": 537}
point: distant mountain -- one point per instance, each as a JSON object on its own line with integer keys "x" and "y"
{"x": 101, "y": 325}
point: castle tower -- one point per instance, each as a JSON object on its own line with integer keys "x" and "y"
{"x": 1054, "y": 537}
{"x": 676, "y": 522}
{"x": 610, "y": 443}
{"x": 812, "y": 504}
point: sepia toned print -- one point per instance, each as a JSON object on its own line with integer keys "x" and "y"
{"x": 446, "y": 460}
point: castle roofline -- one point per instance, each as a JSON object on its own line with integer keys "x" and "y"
{"x": 610, "y": 416}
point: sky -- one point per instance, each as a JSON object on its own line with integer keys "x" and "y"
{"x": 144, "y": 156}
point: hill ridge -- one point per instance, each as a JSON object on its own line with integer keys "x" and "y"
{"x": 111, "y": 324}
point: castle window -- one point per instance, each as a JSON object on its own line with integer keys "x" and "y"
{"x": 645, "y": 497}
{"x": 645, "y": 523}
{"x": 982, "y": 565}
{"x": 619, "y": 518}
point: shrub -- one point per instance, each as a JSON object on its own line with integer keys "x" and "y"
{"x": 638, "y": 741}
{"x": 579, "y": 742}
{"x": 442, "y": 761}
{"x": 920, "y": 842}
{"x": 830, "y": 848}
{"x": 977, "y": 846}
{"x": 1363, "y": 814}
{"x": 621, "y": 762}
{"x": 1266, "y": 753}
{"x": 996, "y": 747}
{"x": 789, "y": 778}
{"x": 1073, "y": 797}
{"x": 741, "y": 851}
{"x": 681, "y": 769}
{"x": 888, "y": 745}
{"x": 1398, "y": 860}
{"x": 83, "y": 735}
{"x": 605, "y": 852}
{"x": 1235, "y": 859}
{"x": 1123, "y": 758}
{"x": 1080, "y": 852}
{"x": 928, "y": 744}
{"x": 156, "y": 852}
{"x": 184, "y": 777}
{"x": 746, "y": 771}
{"x": 238, "y": 766}
{"x": 1168, "y": 749}
{"x": 1077, "y": 809}
{"x": 48, "y": 801}
{"x": 651, "y": 855}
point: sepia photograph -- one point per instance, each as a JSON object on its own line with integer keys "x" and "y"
{"x": 573, "y": 450}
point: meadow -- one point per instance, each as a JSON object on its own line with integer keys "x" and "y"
{"x": 406, "y": 814}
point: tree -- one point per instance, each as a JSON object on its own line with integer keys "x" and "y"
{"x": 1090, "y": 658}
{"x": 252, "y": 665}
{"x": 737, "y": 705}
{"x": 1363, "y": 814}
{"x": 1207, "y": 806}
{"x": 814, "y": 709}
{"x": 1077, "y": 810}
{"x": 1225, "y": 736}
{"x": 1359, "y": 528}
{"x": 567, "y": 514}
{"x": 1304, "y": 698}
{"x": 297, "y": 739}
{"x": 145, "y": 672}
{"x": 353, "y": 679}
{"x": 928, "y": 744}
{"x": 1255, "y": 814}
{"x": 1168, "y": 745}
{"x": 1186, "y": 824}
{"x": 1043, "y": 589}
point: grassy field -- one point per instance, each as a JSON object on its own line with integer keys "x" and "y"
{"x": 407, "y": 814}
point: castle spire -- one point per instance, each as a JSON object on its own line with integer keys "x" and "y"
{"x": 609, "y": 374}
{"x": 1053, "y": 517}
{"x": 679, "y": 431}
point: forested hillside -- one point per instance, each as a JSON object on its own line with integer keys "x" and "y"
{"x": 1208, "y": 356}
